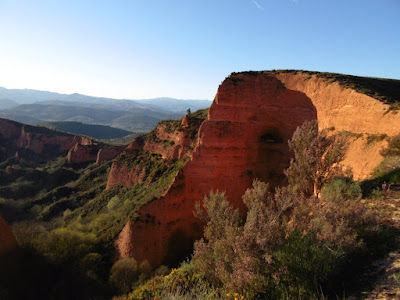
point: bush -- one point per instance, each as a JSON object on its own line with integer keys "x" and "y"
{"x": 92, "y": 264}
{"x": 64, "y": 246}
{"x": 114, "y": 202}
{"x": 389, "y": 169}
{"x": 393, "y": 148}
{"x": 340, "y": 189}
{"x": 215, "y": 255}
{"x": 182, "y": 283}
{"x": 288, "y": 245}
{"x": 124, "y": 273}
{"x": 316, "y": 158}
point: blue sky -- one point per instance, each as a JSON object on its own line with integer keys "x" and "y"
{"x": 185, "y": 48}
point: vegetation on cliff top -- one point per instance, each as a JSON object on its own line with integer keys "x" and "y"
{"x": 382, "y": 89}
{"x": 195, "y": 119}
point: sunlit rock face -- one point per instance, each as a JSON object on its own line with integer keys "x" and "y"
{"x": 244, "y": 137}
{"x": 170, "y": 143}
{"x": 345, "y": 109}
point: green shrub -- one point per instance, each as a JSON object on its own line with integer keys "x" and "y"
{"x": 388, "y": 170}
{"x": 340, "y": 189}
{"x": 114, "y": 202}
{"x": 377, "y": 194}
{"x": 124, "y": 273}
{"x": 182, "y": 283}
{"x": 93, "y": 264}
{"x": 63, "y": 246}
{"x": 374, "y": 138}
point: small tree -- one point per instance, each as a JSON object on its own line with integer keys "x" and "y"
{"x": 316, "y": 158}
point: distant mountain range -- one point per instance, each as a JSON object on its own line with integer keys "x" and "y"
{"x": 34, "y": 107}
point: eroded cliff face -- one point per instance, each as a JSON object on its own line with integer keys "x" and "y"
{"x": 171, "y": 140}
{"x": 244, "y": 137}
{"x": 33, "y": 142}
{"x": 109, "y": 153}
{"x": 7, "y": 238}
{"x": 42, "y": 144}
{"x": 82, "y": 153}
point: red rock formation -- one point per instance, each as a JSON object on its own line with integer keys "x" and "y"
{"x": 82, "y": 153}
{"x": 170, "y": 144}
{"x": 109, "y": 153}
{"x": 169, "y": 139}
{"x": 43, "y": 143}
{"x": 243, "y": 138}
{"x": 7, "y": 238}
{"x": 125, "y": 174}
{"x": 38, "y": 143}
{"x": 185, "y": 121}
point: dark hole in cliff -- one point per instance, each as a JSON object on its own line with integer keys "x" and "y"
{"x": 271, "y": 137}
{"x": 180, "y": 246}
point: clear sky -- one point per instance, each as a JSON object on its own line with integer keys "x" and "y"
{"x": 185, "y": 48}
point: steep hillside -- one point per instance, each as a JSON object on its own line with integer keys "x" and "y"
{"x": 31, "y": 142}
{"x": 170, "y": 141}
{"x": 245, "y": 137}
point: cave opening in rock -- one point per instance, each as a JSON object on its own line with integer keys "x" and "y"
{"x": 180, "y": 245}
{"x": 272, "y": 136}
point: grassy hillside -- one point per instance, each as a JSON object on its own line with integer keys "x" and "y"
{"x": 64, "y": 214}
{"x": 96, "y": 131}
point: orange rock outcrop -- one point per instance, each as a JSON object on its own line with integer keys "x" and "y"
{"x": 170, "y": 139}
{"x": 245, "y": 137}
{"x": 82, "y": 154}
{"x": 7, "y": 238}
{"x": 345, "y": 109}
{"x": 37, "y": 142}
{"x": 109, "y": 153}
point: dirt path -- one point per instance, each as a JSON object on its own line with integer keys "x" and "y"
{"x": 386, "y": 272}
